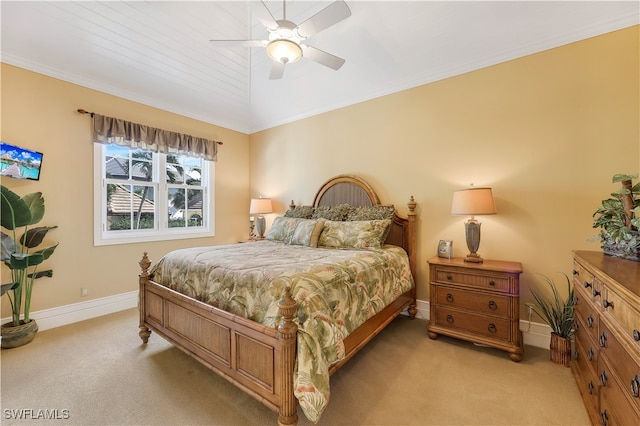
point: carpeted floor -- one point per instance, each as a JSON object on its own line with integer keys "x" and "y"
{"x": 97, "y": 372}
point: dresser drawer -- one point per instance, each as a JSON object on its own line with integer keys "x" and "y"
{"x": 587, "y": 377}
{"x": 588, "y": 316}
{"x": 614, "y": 404}
{"x": 497, "y": 328}
{"x": 586, "y": 348}
{"x": 622, "y": 364}
{"x": 473, "y": 278}
{"x": 626, "y": 315}
{"x": 493, "y": 304}
{"x": 586, "y": 283}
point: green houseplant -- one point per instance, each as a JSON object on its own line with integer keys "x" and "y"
{"x": 618, "y": 218}
{"x": 18, "y": 254}
{"x": 557, "y": 312}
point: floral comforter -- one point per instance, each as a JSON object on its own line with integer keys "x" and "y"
{"x": 336, "y": 290}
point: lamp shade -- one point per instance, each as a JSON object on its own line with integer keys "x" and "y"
{"x": 260, "y": 206}
{"x": 473, "y": 201}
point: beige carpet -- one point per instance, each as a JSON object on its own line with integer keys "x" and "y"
{"x": 98, "y": 373}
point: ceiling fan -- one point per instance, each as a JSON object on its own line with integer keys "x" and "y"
{"x": 286, "y": 39}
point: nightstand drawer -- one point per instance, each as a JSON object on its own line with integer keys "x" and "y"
{"x": 473, "y": 278}
{"x": 497, "y": 328}
{"x": 493, "y": 304}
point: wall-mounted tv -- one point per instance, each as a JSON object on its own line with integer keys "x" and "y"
{"x": 19, "y": 163}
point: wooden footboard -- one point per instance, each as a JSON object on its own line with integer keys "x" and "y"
{"x": 258, "y": 359}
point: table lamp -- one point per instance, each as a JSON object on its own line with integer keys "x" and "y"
{"x": 258, "y": 207}
{"x": 473, "y": 201}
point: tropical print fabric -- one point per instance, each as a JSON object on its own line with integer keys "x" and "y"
{"x": 336, "y": 289}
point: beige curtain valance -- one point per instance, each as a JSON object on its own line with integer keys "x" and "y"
{"x": 109, "y": 130}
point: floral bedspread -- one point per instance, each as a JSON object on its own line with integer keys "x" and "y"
{"x": 336, "y": 290}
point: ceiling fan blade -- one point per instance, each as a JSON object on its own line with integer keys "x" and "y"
{"x": 330, "y": 15}
{"x": 262, "y": 13}
{"x": 322, "y": 57}
{"x": 277, "y": 70}
{"x": 238, "y": 43}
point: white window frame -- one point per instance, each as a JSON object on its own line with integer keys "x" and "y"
{"x": 162, "y": 232}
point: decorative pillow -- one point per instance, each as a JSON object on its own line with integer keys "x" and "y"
{"x": 307, "y": 233}
{"x": 282, "y": 229}
{"x": 354, "y": 234}
{"x": 371, "y": 213}
{"x": 335, "y": 213}
{"x": 304, "y": 212}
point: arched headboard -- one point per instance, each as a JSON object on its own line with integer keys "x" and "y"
{"x": 352, "y": 190}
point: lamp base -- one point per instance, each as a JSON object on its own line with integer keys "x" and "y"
{"x": 473, "y": 258}
{"x": 260, "y": 224}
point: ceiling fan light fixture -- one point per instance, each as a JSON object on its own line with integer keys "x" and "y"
{"x": 284, "y": 51}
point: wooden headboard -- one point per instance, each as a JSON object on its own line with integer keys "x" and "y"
{"x": 350, "y": 189}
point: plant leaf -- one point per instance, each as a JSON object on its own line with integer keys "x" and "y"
{"x": 15, "y": 212}
{"x": 34, "y": 236}
{"x": 8, "y": 247}
{"x": 35, "y": 201}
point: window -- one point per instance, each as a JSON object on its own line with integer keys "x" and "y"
{"x": 143, "y": 196}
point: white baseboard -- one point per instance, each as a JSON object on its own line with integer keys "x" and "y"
{"x": 534, "y": 334}
{"x": 68, "y": 314}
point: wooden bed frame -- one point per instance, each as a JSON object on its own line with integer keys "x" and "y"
{"x": 257, "y": 359}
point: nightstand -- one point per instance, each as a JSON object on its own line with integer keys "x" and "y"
{"x": 477, "y": 302}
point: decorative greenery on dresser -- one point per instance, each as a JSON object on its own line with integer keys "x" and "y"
{"x": 618, "y": 218}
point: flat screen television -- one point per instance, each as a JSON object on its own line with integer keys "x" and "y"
{"x": 19, "y": 163}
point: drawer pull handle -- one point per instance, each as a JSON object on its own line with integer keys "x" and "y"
{"x": 635, "y": 386}
{"x": 492, "y": 283}
{"x": 492, "y": 328}
{"x": 587, "y": 284}
{"x": 449, "y": 297}
{"x": 636, "y": 335}
{"x": 493, "y": 305}
{"x": 603, "y": 340}
{"x": 590, "y": 321}
{"x": 603, "y": 378}
{"x": 595, "y": 293}
{"x": 590, "y": 354}
{"x": 604, "y": 418}
{"x": 607, "y": 304}
{"x": 591, "y": 387}
{"x": 449, "y": 277}
{"x": 575, "y": 272}
{"x": 450, "y": 319}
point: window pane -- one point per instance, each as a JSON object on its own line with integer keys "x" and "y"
{"x": 176, "y": 199}
{"x": 130, "y": 207}
{"x": 194, "y": 207}
{"x": 182, "y": 169}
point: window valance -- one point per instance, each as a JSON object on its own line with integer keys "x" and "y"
{"x": 109, "y": 130}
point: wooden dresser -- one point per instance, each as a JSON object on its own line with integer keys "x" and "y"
{"x": 606, "y": 359}
{"x": 478, "y": 302}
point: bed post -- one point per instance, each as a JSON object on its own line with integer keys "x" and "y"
{"x": 144, "y": 263}
{"x": 287, "y": 333}
{"x": 411, "y": 218}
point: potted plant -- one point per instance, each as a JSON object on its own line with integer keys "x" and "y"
{"x": 18, "y": 213}
{"x": 558, "y": 314}
{"x": 618, "y": 218}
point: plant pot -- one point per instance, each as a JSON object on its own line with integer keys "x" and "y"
{"x": 560, "y": 350}
{"x": 20, "y": 335}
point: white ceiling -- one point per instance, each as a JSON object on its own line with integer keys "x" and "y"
{"x": 158, "y": 53}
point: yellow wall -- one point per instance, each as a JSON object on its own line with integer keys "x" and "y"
{"x": 546, "y": 132}
{"x": 39, "y": 112}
